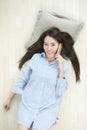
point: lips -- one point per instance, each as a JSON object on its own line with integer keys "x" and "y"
{"x": 49, "y": 53}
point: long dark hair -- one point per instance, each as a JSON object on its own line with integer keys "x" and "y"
{"x": 67, "y": 52}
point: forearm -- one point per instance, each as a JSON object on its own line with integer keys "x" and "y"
{"x": 61, "y": 69}
{"x": 11, "y": 95}
{"x": 61, "y": 73}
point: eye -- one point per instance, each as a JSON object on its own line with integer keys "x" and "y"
{"x": 45, "y": 44}
{"x": 52, "y": 44}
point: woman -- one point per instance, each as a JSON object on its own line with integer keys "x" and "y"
{"x": 43, "y": 81}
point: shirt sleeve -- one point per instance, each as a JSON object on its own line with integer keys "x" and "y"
{"x": 24, "y": 76}
{"x": 61, "y": 83}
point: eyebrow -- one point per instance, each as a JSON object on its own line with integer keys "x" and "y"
{"x": 50, "y": 42}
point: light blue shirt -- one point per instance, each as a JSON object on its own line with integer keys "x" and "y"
{"x": 38, "y": 82}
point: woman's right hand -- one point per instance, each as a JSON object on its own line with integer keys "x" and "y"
{"x": 7, "y": 104}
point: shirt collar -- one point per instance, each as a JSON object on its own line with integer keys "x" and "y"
{"x": 43, "y": 54}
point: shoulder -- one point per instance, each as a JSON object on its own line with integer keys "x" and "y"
{"x": 36, "y": 56}
{"x": 34, "y": 59}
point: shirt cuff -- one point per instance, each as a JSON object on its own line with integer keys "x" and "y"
{"x": 17, "y": 91}
{"x": 61, "y": 86}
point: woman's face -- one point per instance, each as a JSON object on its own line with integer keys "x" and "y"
{"x": 50, "y": 47}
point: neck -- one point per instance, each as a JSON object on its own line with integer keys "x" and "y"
{"x": 50, "y": 59}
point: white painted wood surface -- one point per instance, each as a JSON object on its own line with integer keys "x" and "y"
{"x": 17, "y": 20}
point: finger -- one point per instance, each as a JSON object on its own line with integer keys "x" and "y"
{"x": 56, "y": 56}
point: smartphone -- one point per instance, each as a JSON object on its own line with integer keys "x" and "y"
{"x": 59, "y": 48}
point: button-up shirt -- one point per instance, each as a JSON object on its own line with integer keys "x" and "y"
{"x": 38, "y": 82}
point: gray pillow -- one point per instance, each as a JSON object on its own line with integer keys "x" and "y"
{"x": 47, "y": 19}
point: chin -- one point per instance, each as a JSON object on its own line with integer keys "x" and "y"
{"x": 50, "y": 56}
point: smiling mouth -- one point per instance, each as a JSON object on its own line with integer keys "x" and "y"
{"x": 49, "y": 52}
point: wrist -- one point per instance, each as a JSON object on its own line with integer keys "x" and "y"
{"x": 11, "y": 96}
{"x": 61, "y": 75}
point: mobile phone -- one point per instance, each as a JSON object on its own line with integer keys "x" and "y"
{"x": 59, "y": 49}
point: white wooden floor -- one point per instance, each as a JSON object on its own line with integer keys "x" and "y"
{"x": 17, "y": 19}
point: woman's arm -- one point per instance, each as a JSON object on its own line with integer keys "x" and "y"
{"x": 20, "y": 84}
{"x": 61, "y": 83}
{"x": 60, "y": 60}
{"x": 24, "y": 75}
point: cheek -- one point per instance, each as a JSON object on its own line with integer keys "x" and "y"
{"x": 44, "y": 47}
{"x": 55, "y": 49}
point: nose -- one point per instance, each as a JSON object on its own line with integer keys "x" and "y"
{"x": 49, "y": 48}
